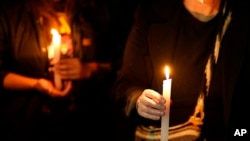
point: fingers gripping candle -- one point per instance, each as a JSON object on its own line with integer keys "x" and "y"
{"x": 166, "y": 94}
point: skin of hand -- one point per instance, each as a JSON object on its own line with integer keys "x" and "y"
{"x": 13, "y": 81}
{"x": 74, "y": 69}
{"x": 151, "y": 105}
{"x": 47, "y": 87}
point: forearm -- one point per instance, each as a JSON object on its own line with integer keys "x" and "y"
{"x": 14, "y": 81}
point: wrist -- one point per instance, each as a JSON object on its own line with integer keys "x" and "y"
{"x": 34, "y": 84}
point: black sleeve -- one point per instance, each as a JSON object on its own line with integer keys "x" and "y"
{"x": 3, "y": 48}
{"x": 132, "y": 78}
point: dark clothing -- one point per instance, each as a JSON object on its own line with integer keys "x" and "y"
{"x": 166, "y": 34}
{"x": 107, "y": 24}
{"x": 230, "y": 84}
{"x": 23, "y": 50}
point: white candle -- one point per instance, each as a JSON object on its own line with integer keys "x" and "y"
{"x": 166, "y": 95}
{"x": 55, "y": 53}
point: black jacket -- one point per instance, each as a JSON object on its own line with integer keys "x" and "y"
{"x": 146, "y": 53}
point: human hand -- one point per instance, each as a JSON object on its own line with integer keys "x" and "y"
{"x": 73, "y": 69}
{"x": 151, "y": 104}
{"x": 47, "y": 87}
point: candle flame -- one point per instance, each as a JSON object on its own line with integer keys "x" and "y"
{"x": 167, "y": 72}
{"x": 55, "y": 43}
{"x": 56, "y": 37}
{"x": 64, "y": 28}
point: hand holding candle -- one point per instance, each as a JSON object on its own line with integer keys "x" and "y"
{"x": 166, "y": 95}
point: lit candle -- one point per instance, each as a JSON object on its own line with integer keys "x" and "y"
{"x": 166, "y": 95}
{"x": 54, "y": 54}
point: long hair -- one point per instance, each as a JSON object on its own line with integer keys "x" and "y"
{"x": 77, "y": 8}
{"x": 43, "y": 13}
{"x": 78, "y": 13}
{"x": 44, "y": 9}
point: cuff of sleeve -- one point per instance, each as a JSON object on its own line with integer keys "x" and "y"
{"x": 2, "y": 76}
{"x": 131, "y": 103}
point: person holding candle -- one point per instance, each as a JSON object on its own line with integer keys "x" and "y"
{"x": 197, "y": 40}
{"x": 31, "y": 105}
{"x": 26, "y": 85}
{"x": 32, "y": 108}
